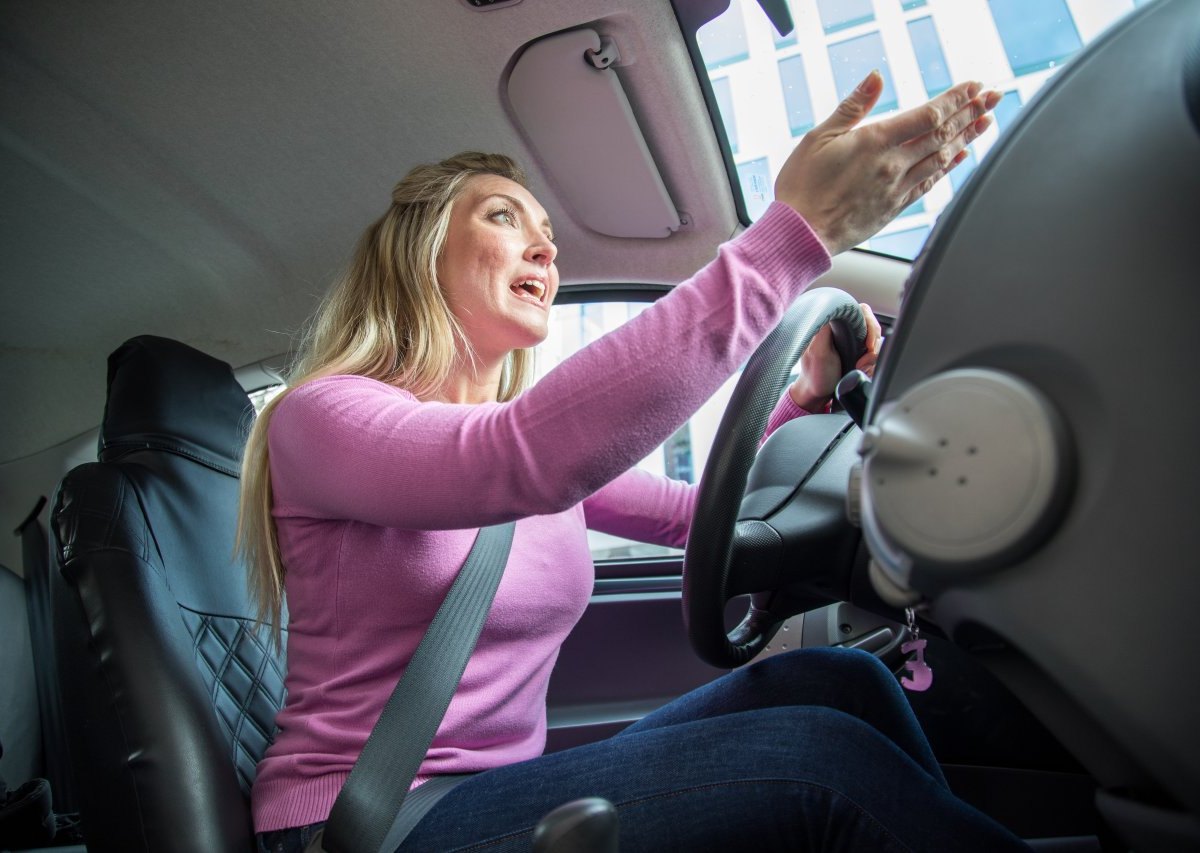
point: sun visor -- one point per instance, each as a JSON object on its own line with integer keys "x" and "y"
{"x": 568, "y": 100}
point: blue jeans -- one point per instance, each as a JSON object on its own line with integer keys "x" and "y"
{"x": 816, "y": 749}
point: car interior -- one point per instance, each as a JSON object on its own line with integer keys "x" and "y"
{"x": 181, "y": 184}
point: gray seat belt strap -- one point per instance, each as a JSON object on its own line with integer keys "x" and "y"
{"x": 417, "y": 804}
{"x": 372, "y": 795}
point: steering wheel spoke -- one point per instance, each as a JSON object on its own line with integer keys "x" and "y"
{"x": 757, "y": 558}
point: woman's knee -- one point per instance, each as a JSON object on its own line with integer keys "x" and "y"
{"x": 825, "y": 667}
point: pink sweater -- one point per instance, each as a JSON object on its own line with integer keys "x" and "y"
{"x": 378, "y": 498}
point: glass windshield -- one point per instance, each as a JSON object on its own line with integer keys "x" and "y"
{"x": 772, "y": 89}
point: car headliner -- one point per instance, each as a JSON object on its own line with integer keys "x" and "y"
{"x": 202, "y": 171}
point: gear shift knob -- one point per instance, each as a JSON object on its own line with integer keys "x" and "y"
{"x": 580, "y": 826}
{"x": 853, "y": 392}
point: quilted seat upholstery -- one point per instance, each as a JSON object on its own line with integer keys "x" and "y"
{"x": 170, "y": 692}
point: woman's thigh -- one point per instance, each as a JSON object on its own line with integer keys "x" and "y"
{"x": 846, "y": 680}
{"x": 783, "y": 778}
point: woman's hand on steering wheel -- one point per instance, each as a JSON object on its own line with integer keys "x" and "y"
{"x": 821, "y": 365}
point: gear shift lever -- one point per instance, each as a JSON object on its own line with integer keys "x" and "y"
{"x": 853, "y": 392}
{"x": 580, "y": 826}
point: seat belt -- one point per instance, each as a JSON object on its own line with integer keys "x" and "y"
{"x": 370, "y": 801}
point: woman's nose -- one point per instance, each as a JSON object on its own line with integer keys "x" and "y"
{"x": 542, "y": 251}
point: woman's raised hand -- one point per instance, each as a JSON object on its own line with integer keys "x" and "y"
{"x": 849, "y": 181}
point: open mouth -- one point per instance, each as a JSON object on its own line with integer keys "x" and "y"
{"x": 530, "y": 289}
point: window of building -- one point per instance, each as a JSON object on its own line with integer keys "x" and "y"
{"x": 1037, "y": 34}
{"x": 840, "y": 14}
{"x": 758, "y": 189}
{"x": 960, "y": 173}
{"x": 932, "y": 61}
{"x": 1007, "y": 109}
{"x": 1032, "y": 34}
{"x": 853, "y": 60}
{"x": 797, "y": 98}
{"x": 724, "y": 96}
{"x": 723, "y": 39}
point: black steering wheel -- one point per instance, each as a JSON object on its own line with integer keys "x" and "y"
{"x": 717, "y": 542}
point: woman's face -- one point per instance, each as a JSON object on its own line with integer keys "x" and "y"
{"x": 497, "y": 267}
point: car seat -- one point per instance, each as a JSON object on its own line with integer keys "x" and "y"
{"x": 170, "y": 692}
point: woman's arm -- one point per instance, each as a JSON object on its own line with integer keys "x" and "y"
{"x": 651, "y": 508}
{"x": 350, "y": 447}
{"x": 343, "y": 448}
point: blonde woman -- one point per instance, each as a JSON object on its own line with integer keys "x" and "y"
{"x": 406, "y": 428}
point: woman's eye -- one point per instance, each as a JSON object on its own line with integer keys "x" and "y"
{"x": 506, "y": 216}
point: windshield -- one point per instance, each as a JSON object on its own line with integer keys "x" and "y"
{"x": 772, "y": 89}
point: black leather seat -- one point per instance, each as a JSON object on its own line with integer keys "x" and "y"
{"x": 169, "y": 692}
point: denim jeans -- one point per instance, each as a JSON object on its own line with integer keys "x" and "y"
{"x": 816, "y": 749}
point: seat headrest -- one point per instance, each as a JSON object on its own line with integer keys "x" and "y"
{"x": 164, "y": 395}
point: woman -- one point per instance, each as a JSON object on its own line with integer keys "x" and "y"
{"x": 405, "y": 430}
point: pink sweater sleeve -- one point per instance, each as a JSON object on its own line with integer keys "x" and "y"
{"x": 651, "y": 508}
{"x": 643, "y": 506}
{"x": 354, "y": 448}
{"x": 785, "y": 410}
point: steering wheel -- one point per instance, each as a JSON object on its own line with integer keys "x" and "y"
{"x": 718, "y": 542}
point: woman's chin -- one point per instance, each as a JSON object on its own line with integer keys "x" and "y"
{"x": 531, "y": 336}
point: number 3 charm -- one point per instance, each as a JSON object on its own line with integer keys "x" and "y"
{"x": 922, "y": 674}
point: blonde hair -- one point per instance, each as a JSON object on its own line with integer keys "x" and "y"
{"x": 385, "y": 318}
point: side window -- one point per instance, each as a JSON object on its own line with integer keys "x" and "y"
{"x": 574, "y": 325}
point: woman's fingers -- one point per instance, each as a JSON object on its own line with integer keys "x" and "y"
{"x": 918, "y": 122}
{"x": 866, "y": 362}
{"x": 874, "y": 330}
{"x": 948, "y": 131}
{"x": 856, "y": 106}
{"x": 849, "y": 180}
{"x": 942, "y": 149}
{"x": 933, "y": 168}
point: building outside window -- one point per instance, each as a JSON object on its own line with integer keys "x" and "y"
{"x": 1007, "y": 110}
{"x": 796, "y": 97}
{"x": 920, "y": 47}
{"x": 843, "y": 14}
{"x": 1037, "y": 34}
{"x": 723, "y": 39}
{"x": 959, "y": 176}
{"x": 853, "y": 59}
{"x": 928, "y": 49}
{"x": 757, "y": 186}
{"x": 728, "y": 114}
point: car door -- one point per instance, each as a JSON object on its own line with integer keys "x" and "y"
{"x": 629, "y": 653}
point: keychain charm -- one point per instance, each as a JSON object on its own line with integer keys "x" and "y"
{"x": 920, "y": 674}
